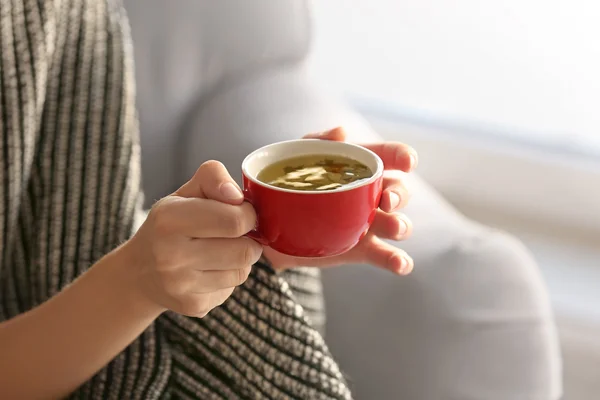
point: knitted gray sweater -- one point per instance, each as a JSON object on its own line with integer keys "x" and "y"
{"x": 69, "y": 193}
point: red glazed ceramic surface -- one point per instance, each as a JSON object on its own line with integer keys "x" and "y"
{"x": 311, "y": 223}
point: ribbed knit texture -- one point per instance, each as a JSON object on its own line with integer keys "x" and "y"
{"x": 69, "y": 193}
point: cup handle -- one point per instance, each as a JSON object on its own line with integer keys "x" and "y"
{"x": 254, "y": 234}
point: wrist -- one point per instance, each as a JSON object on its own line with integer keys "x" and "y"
{"x": 125, "y": 271}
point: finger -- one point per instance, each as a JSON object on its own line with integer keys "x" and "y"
{"x": 395, "y": 155}
{"x": 215, "y": 280}
{"x": 225, "y": 254}
{"x": 336, "y": 134}
{"x": 219, "y": 297}
{"x": 394, "y": 196}
{"x": 203, "y": 218}
{"x": 200, "y": 304}
{"x": 212, "y": 181}
{"x": 381, "y": 254}
{"x": 391, "y": 226}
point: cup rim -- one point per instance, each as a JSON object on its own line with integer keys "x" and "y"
{"x": 376, "y": 175}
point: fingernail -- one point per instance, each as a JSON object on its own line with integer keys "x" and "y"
{"x": 231, "y": 191}
{"x": 329, "y": 131}
{"x": 402, "y": 227}
{"x": 395, "y": 268}
{"x": 414, "y": 161}
{"x": 315, "y": 135}
{"x": 394, "y": 200}
{"x": 405, "y": 265}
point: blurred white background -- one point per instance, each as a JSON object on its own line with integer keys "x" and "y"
{"x": 502, "y": 101}
{"x": 527, "y": 68}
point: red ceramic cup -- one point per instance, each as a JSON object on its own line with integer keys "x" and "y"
{"x": 312, "y": 223}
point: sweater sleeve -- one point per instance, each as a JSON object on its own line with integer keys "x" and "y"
{"x": 71, "y": 162}
{"x": 259, "y": 343}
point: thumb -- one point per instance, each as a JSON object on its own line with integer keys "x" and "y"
{"x": 212, "y": 181}
{"x": 336, "y": 134}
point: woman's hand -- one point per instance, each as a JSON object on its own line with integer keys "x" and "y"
{"x": 190, "y": 252}
{"x": 387, "y": 224}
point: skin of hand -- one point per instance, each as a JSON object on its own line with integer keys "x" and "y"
{"x": 398, "y": 158}
{"x": 187, "y": 257}
{"x": 191, "y": 251}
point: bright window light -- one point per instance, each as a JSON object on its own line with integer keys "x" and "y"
{"x": 527, "y": 68}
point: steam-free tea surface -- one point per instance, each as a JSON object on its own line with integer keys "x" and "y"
{"x": 315, "y": 172}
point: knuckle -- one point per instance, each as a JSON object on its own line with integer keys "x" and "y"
{"x": 238, "y": 277}
{"x": 243, "y": 219}
{"x": 237, "y": 223}
{"x": 210, "y": 166}
{"x": 249, "y": 215}
{"x": 221, "y": 301}
{"x": 257, "y": 250}
{"x": 243, "y": 275}
{"x": 224, "y": 296}
{"x": 248, "y": 253}
{"x": 160, "y": 217}
{"x": 229, "y": 279}
{"x": 194, "y": 306}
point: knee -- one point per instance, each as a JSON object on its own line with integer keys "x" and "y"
{"x": 491, "y": 271}
{"x": 493, "y": 312}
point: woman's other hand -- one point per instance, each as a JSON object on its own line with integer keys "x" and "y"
{"x": 398, "y": 158}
